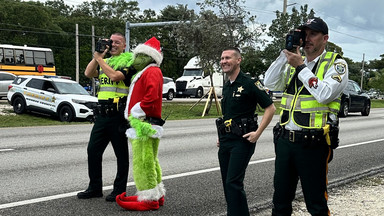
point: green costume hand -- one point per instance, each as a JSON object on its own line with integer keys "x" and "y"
{"x": 141, "y": 61}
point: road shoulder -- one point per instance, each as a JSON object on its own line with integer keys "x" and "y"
{"x": 363, "y": 197}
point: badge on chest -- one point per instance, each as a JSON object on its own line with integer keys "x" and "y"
{"x": 238, "y": 92}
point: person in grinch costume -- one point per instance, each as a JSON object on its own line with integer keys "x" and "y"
{"x": 143, "y": 111}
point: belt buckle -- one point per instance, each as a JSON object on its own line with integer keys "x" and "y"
{"x": 291, "y": 136}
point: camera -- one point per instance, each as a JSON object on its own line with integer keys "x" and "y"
{"x": 102, "y": 44}
{"x": 292, "y": 40}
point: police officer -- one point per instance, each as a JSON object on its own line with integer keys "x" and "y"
{"x": 110, "y": 124}
{"x": 238, "y": 131}
{"x": 310, "y": 102}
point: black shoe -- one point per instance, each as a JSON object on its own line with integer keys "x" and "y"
{"x": 87, "y": 194}
{"x": 112, "y": 196}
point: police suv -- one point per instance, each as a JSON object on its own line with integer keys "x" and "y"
{"x": 52, "y": 95}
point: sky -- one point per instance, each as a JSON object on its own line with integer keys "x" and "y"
{"x": 356, "y": 26}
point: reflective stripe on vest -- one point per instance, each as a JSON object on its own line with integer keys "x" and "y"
{"x": 109, "y": 89}
{"x": 315, "y": 112}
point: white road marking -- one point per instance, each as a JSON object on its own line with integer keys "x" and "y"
{"x": 59, "y": 196}
{"x": 4, "y": 150}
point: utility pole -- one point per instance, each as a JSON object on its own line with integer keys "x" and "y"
{"x": 77, "y": 53}
{"x": 93, "y": 51}
{"x": 285, "y": 7}
{"x": 362, "y": 73}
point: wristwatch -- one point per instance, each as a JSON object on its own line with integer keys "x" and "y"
{"x": 300, "y": 67}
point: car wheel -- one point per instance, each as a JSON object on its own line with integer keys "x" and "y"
{"x": 170, "y": 95}
{"x": 19, "y": 105}
{"x": 66, "y": 114}
{"x": 367, "y": 109}
{"x": 199, "y": 92}
{"x": 344, "y": 110}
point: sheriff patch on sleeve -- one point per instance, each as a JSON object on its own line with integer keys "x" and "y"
{"x": 259, "y": 85}
{"x": 340, "y": 68}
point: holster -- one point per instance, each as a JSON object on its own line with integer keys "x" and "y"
{"x": 334, "y": 136}
{"x": 277, "y": 131}
{"x": 219, "y": 126}
{"x": 236, "y": 129}
{"x": 248, "y": 124}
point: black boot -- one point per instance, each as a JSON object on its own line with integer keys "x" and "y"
{"x": 87, "y": 194}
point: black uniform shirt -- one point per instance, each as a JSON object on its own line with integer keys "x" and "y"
{"x": 241, "y": 97}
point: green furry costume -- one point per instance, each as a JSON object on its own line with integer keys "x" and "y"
{"x": 143, "y": 112}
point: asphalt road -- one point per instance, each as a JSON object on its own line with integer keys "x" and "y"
{"x": 42, "y": 168}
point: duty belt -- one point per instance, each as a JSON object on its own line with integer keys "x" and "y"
{"x": 304, "y": 135}
{"x": 155, "y": 121}
{"x": 110, "y": 107}
{"x": 239, "y": 128}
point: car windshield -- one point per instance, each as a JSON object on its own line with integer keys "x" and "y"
{"x": 70, "y": 88}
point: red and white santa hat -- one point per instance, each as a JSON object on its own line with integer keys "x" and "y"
{"x": 150, "y": 48}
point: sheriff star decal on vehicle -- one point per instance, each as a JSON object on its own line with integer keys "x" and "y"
{"x": 312, "y": 82}
{"x": 340, "y": 68}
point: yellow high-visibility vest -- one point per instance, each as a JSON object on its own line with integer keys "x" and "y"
{"x": 110, "y": 89}
{"x": 301, "y": 106}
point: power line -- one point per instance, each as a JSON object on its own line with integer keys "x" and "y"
{"x": 48, "y": 33}
{"x": 353, "y": 24}
{"x": 261, "y": 11}
{"x": 354, "y": 36}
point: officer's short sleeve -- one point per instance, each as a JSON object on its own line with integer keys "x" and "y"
{"x": 127, "y": 79}
{"x": 261, "y": 95}
{"x": 124, "y": 71}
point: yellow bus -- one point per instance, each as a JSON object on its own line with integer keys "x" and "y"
{"x": 24, "y": 60}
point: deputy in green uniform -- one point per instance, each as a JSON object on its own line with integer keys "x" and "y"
{"x": 110, "y": 124}
{"x": 308, "y": 125}
{"x": 238, "y": 129}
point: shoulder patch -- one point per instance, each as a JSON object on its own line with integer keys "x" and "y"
{"x": 340, "y": 68}
{"x": 312, "y": 82}
{"x": 259, "y": 85}
{"x": 337, "y": 78}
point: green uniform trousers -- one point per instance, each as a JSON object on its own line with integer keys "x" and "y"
{"x": 234, "y": 156}
{"x": 307, "y": 162}
{"x": 108, "y": 129}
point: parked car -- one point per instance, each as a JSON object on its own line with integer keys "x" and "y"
{"x": 64, "y": 98}
{"x": 5, "y": 80}
{"x": 373, "y": 94}
{"x": 169, "y": 88}
{"x": 354, "y": 99}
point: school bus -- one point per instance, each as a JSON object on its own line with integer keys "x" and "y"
{"x": 25, "y": 60}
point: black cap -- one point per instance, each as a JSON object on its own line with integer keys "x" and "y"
{"x": 316, "y": 24}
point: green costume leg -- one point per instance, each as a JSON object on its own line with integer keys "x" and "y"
{"x": 146, "y": 168}
{"x": 159, "y": 172}
{"x": 156, "y": 159}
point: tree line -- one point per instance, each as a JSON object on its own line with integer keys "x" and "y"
{"x": 52, "y": 24}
